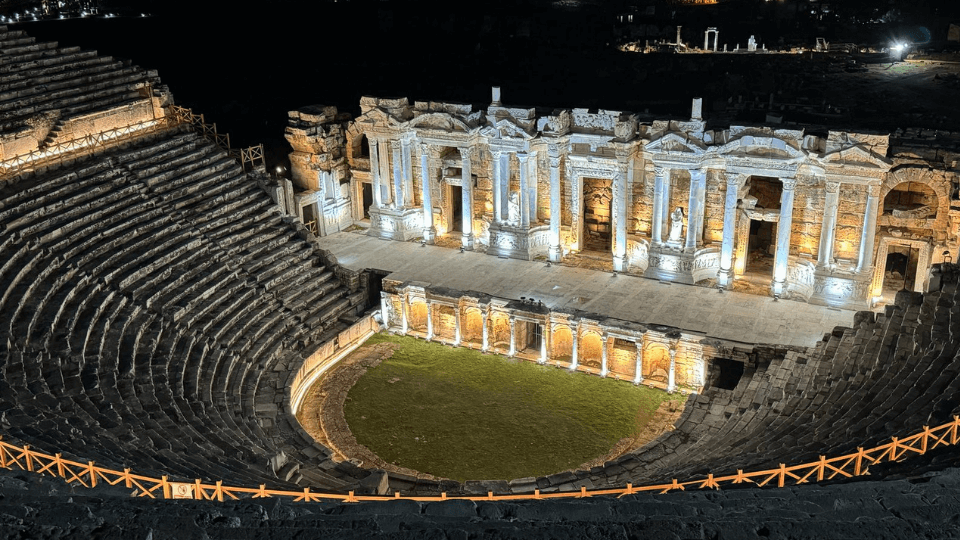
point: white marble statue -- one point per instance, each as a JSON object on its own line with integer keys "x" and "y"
{"x": 513, "y": 209}
{"x": 676, "y": 225}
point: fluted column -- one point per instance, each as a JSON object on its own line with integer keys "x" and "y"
{"x": 513, "y": 336}
{"x": 784, "y": 230}
{"x": 665, "y": 203}
{"x": 375, "y": 171}
{"x": 504, "y": 181}
{"x": 524, "y": 191}
{"x": 397, "y": 175}
{"x": 638, "y": 375}
{"x": 497, "y": 208}
{"x": 828, "y": 229}
{"x": 575, "y": 349}
{"x": 486, "y": 331}
{"x": 672, "y": 375}
{"x": 621, "y": 183}
{"x": 658, "y": 204}
{"x": 429, "y": 231}
{"x": 603, "y": 354}
{"x": 725, "y": 275}
{"x": 533, "y": 172}
{"x": 429, "y": 320}
{"x": 695, "y": 209}
{"x": 456, "y": 319}
{"x": 467, "y": 201}
{"x": 864, "y": 261}
{"x": 407, "y": 173}
{"x": 555, "y": 252}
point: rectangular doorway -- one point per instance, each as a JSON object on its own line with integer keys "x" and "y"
{"x": 597, "y": 229}
{"x": 367, "y": 199}
{"x": 455, "y": 204}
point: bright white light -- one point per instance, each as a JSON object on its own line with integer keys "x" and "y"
{"x": 897, "y": 47}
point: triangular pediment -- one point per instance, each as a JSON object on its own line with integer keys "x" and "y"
{"x": 379, "y": 117}
{"x": 762, "y": 147}
{"x": 506, "y": 129}
{"x": 676, "y": 142}
{"x": 856, "y": 156}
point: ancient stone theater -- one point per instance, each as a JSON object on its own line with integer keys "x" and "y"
{"x": 165, "y": 303}
{"x": 816, "y": 216}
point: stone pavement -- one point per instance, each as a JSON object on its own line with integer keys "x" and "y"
{"x": 729, "y": 316}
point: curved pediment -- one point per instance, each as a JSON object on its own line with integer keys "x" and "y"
{"x": 762, "y": 147}
{"x": 506, "y": 129}
{"x": 439, "y": 121}
{"x": 677, "y": 142}
{"x": 856, "y": 156}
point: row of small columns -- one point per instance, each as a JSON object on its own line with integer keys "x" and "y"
{"x": 485, "y": 346}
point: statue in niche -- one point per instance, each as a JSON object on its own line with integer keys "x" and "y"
{"x": 676, "y": 225}
{"x": 513, "y": 209}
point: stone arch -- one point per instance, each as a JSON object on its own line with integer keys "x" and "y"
{"x": 562, "y": 341}
{"x": 656, "y": 363}
{"x": 445, "y": 321}
{"x": 472, "y": 324}
{"x": 500, "y": 331}
{"x": 358, "y": 147}
{"x": 417, "y": 314}
{"x": 934, "y": 180}
{"x": 591, "y": 349}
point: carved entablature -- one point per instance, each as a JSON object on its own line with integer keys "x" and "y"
{"x": 602, "y": 121}
{"x": 438, "y": 121}
{"x": 398, "y": 108}
{"x": 676, "y": 148}
{"x": 855, "y": 161}
{"x": 556, "y": 124}
{"x": 507, "y": 129}
{"x": 875, "y": 144}
{"x": 593, "y": 168}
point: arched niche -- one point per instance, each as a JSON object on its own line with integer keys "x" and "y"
{"x": 562, "y": 342}
{"x": 417, "y": 315}
{"x": 656, "y": 363}
{"x": 591, "y": 349}
{"x": 472, "y": 325}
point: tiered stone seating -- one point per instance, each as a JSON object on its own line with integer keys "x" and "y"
{"x": 889, "y": 376}
{"x": 39, "y": 77}
{"x": 149, "y": 296}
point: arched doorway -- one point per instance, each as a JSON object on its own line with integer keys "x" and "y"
{"x": 562, "y": 343}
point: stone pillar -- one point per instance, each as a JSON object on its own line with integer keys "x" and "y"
{"x": 504, "y": 185}
{"x": 513, "y": 336}
{"x": 497, "y": 207}
{"x": 384, "y": 171}
{"x": 725, "y": 275}
{"x": 467, "y": 191}
{"x": 456, "y": 319}
{"x": 486, "y": 331}
{"x": 716, "y": 40}
{"x": 531, "y": 187}
{"x": 397, "y": 175}
{"x": 407, "y": 173}
{"x": 695, "y": 209}
{"x": 375, "y": 172}
{"x": 524, "y": 191}
{"x": 575, "y": 348}
{"x": 638, "y": 375}
{"x": 621, "y": 183}
{"x": 543, "y": 341}
{"x": 385, "y": 312}
{"x": 403, "y": 314}
{"x": 429, "y": 320}
{"x": 665, "y": 204}
{"x": 555, "y": 252}
{"x": 321, "y": 223}
{"x": 657, "y": 225}
{"x": 672, "y": 376}
{"x": 429, "y": 231}
{"x": 603, "y": 354}
{"x": 784, "y": 230}
{"x": 828, "y": 229}
{"x": 867, "y": 235}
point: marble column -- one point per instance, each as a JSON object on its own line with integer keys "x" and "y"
{"x": 695, "y": 209}
{"x": 456, "y": 319}
{"x": 555, "y": 252}
{"x": 321, "y": 223}
{"x": 638, "y": 369}
{"x": 429, "y": 231}
{"x": 497, "y": 207}
{"x": 621, "y": 183}
{"x": 784, "y": 231}
{"x": 429, "y": 320}
{"x": 604, "y": 345}
{"x": 513, "y": 336}
{"x": 575, "y": 349}
{"x": 504, "y": 186}
{"x": 397, "y": 175}
{"x": 375, "y": 171}
{"x": 725, "y": 275}
{"x": 407, "y": 173}
{"x": 828, "y": 228}
{"x": 868, "y": 234}
{"x": 531, "y": 187}
{"x": 656, "y": 234}
{"x": 403, "y": 314}
{"x": 543, "y": 342}
{"x": 467, "y": 200}
{"x": 665, "y": 203}
{"x": 486, "y": 331}
{"x": 384, "y": 171}
{"x": 385, "y": 312}
{"x": 524, "y": 191}
{"x": 672, "y": 376}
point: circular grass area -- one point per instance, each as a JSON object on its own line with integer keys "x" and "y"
{"x": 460, "y": 414}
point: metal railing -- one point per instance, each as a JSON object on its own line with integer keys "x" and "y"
{"x": 846, "y": 466}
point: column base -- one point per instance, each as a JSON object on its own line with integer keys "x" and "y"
{"x": 555, "y": 253}
{"x": 430, "y": 235}
{"x": 618, "y": 263}
{"x": 777, "y": 288}
{"x": 466, "y": 241}
{"x": 638, "y": 380}
{"x": 725, "y": 277}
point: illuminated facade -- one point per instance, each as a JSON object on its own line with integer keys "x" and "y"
{"x": 670, "y": 200}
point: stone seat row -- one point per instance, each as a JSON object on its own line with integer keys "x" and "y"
{"x": 140, "y": 321}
